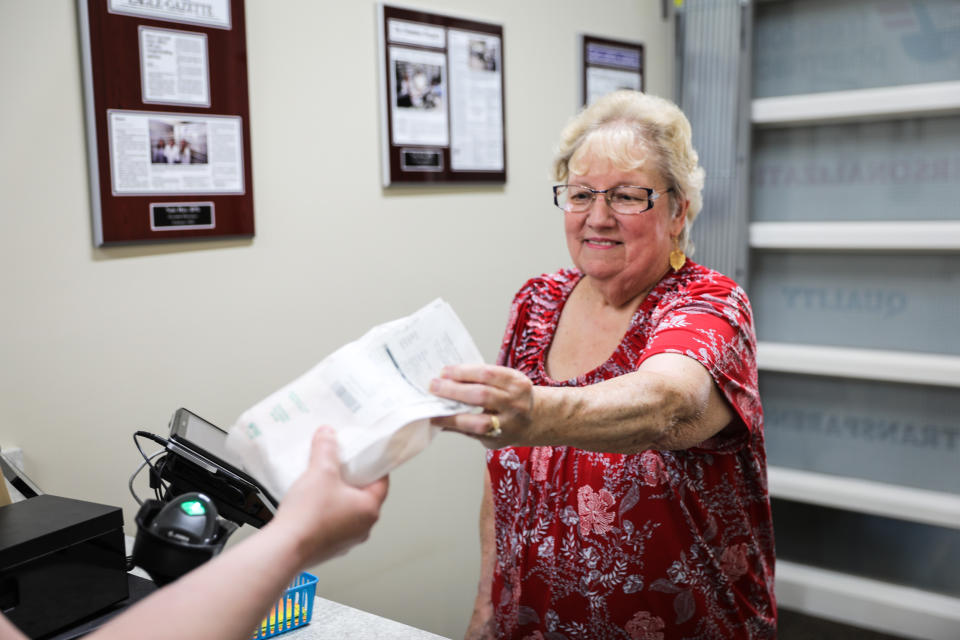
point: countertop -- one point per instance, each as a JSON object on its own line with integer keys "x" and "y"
{"x": 334, "y": 621}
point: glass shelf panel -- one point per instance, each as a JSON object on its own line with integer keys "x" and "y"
{"x": 899, "y": 302}
{"x": 824, "y": 45}
{"x": 902, "y": 434}
{"x": 877, "y": 171}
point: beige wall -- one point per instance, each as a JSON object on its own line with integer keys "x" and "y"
{"x": 97, "y": 343}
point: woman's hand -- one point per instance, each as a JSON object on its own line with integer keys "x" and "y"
{"x": 506, "y": 396}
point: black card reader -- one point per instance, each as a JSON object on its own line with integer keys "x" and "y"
{"x": 197, "y": 460}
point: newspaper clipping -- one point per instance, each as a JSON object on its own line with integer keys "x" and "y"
{"x": 174, "y": 67}
{"x": 476, "y": 102}
{"x": 175, "y": 153}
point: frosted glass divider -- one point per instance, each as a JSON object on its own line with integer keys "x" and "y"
{"x": 873, "y": 604}
{"x": 867, "y": 364}
{"x": 904, "y": 101}
{"x": 924, "y": 235}
{"x": 865, "y": 496}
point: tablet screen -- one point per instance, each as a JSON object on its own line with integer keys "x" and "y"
{"x": 204, "y": 435}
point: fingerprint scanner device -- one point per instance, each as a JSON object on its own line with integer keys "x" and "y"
{"x": 61, "y": 561}
{"x": 191, "y": 517}
{"x": 198, "y": 460}
{"x": 178, "y": 536}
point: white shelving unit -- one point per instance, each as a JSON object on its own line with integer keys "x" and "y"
{"x": 862, "y": 105}
{"x": 857, "y": 236}
{"x": 865, "y": 364}
{"x": 885, "y": 103}
{"x": 867, "y": 603}
{"x": 871, "y": 604}
{"x": 864, "y": 496}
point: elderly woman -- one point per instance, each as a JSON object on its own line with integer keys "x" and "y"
{"x": 626, "y": 496}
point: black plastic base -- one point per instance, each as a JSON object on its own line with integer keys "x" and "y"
{"x": 165, "y": 559}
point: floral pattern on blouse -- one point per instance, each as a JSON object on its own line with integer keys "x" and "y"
{"x": 652, "y": 545}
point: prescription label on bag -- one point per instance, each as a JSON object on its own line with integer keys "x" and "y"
{"x": 372, "y": 391}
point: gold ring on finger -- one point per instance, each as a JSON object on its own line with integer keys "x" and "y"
{"x": 494, "y": 430}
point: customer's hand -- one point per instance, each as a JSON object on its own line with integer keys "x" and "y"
{"x": 506, "y": 396}
{"x": 323, "y": 513}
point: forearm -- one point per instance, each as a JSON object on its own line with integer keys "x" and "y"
{"x": 488, "y": 545}
{"x": 481, "y": 620}
{"x": 671, "y": 402}
{"x": 627, "y": 414}
{"x": 228, "y": 597}
{"x": 225, "y": 598}
{"x": 8, "y": 631}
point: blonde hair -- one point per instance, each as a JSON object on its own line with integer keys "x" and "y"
{"x": 627, "y": 128}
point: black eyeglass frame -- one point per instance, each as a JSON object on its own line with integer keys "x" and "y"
{"x": 652, "y": 196}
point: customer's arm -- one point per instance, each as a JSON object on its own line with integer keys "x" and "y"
{"x": 319, "y": 517}
{"x": 481, "y": 625}
{"x": 226, "y": 598}
{"x": 8, "y": 631}
{"x": 669, "y": 402}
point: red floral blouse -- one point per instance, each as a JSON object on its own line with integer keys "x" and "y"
{"x": 648, "y": 546}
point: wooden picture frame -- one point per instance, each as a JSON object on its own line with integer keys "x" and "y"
{"x": 168, "y": 120}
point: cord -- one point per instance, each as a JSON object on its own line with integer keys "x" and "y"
{"x": 139, "y": 469}
{"x": 146, "y": 461}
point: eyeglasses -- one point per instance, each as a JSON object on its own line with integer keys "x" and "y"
{"x": 626, "y": 200}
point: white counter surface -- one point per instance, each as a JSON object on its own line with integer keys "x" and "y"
{"x": 334, "y": 621}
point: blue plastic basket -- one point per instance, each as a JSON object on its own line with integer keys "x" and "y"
{"x": 292, "y": 611}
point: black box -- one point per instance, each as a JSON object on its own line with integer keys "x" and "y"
{"x": 61, "y": 560}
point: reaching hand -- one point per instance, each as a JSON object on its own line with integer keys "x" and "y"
{"x": 326, "y": 515}
{"x": 320, "y": 516}
{"x": 505, "y": 394}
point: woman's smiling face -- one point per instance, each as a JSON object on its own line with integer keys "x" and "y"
{"x": 627, "y": 252}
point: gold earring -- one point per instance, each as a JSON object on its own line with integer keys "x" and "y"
{"x": 677, "y": 257}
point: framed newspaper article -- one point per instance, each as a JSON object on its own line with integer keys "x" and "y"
{"x": 608, "y": 65}
{"x": 168, "y": 119}
{"x": 441, "y": 98}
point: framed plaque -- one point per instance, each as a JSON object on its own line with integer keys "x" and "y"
{"x": 608, "y": 65}
{"x": 442, "y": 102}
{"x": 168, "y": 121}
